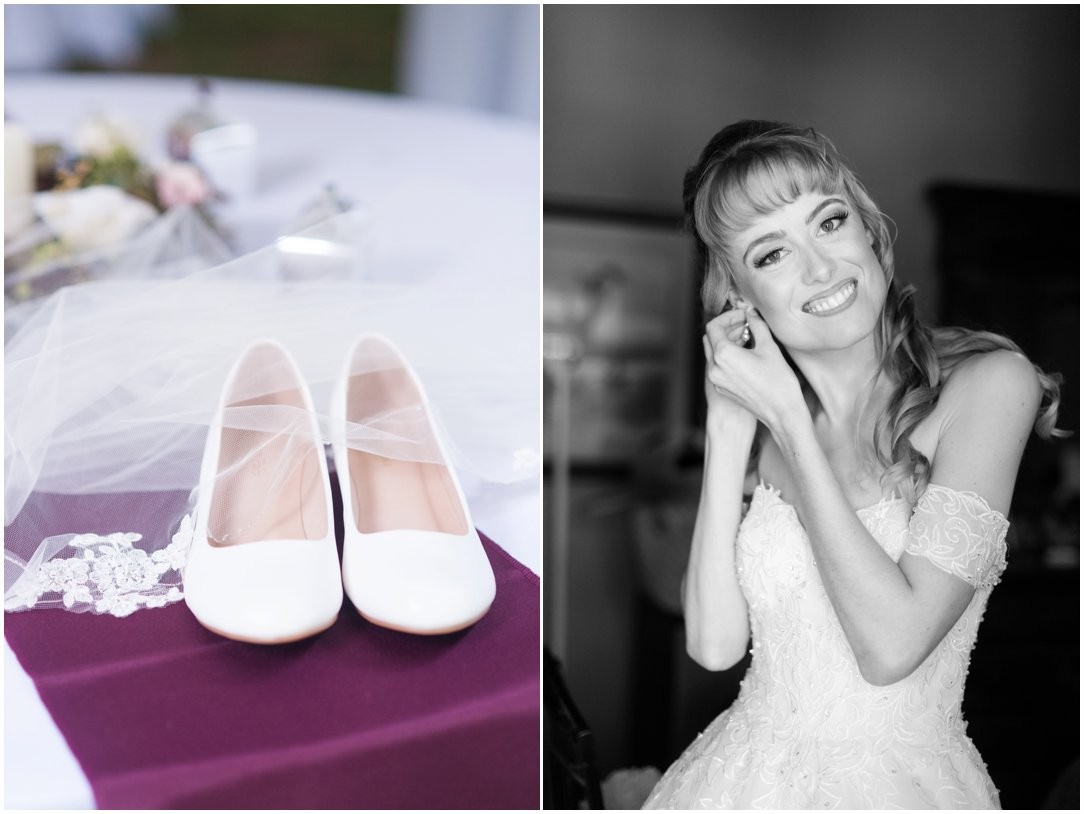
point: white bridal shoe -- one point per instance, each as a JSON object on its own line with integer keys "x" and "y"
{"x": 412, "y": 560}
{"x": 263, "y": 566}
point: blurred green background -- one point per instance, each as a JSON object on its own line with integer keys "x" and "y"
{"x": 352, "y": 46}
{"x": 482, "y": 57}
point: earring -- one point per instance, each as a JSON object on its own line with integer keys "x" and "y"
{"x": 746, "y": 336}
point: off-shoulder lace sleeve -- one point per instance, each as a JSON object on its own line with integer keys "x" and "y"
{"x": 959, "y": 533}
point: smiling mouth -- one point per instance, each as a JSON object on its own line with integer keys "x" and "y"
{"x": 833, "y": 303}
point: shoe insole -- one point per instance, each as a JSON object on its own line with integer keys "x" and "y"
{"x": 269, "y": 485}
{"x": 388, "y": 493}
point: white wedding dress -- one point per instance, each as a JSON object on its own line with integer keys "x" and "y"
{"x": 807, "y": 731}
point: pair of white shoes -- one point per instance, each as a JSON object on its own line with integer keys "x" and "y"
{"x": 264, "y": 567}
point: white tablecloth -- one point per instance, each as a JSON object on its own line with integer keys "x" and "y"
{"x": 370, "y": 147}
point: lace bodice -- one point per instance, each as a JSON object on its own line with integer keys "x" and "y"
{"x": 807, "y": 730}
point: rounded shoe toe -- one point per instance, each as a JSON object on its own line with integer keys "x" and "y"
{"x": 419, "y": 582}
{"x": 283, "y": 594}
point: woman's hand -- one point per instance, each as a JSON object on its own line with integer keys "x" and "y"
{"x": 756, "y": 380}
{"x": 724, "y": 330}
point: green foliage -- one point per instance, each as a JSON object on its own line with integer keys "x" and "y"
{"x": 353, "y": 46}
{"x": 121, "y": 169}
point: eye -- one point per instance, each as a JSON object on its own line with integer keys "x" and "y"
{"x": 833, "y": 223}
{"x": 769, "y": 259}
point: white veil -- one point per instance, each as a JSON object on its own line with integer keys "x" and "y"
{"x": 111, "y": 385}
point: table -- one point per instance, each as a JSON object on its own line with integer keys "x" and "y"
{"x": 371, "y": 147}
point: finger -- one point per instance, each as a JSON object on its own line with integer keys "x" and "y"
{"x": 719, "y": 327}
{"x": 761, "y": 332}
{"x": 718, "y": 380}
{"x": 713, "y": 352}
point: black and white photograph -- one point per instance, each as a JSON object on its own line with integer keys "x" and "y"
{"x": 794, "y": 463}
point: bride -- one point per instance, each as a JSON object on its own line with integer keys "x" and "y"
{"x": 881, "y": 456}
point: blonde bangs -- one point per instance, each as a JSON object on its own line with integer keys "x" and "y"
{"x": 762, "y": 181}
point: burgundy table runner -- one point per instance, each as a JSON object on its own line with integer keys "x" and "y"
{"x": 161, "y": 713}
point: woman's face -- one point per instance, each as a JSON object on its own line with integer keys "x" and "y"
{"x": 810, "y": 270}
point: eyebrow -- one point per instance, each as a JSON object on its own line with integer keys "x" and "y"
{"x": 762, "y": 239}
{"x": 778, "y": 235}
{"x": 823, "y": 205}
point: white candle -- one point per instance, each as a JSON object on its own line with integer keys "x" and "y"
{"x": 18, "y": 179}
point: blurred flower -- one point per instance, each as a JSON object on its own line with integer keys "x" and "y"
{"x": 100, "y": 136}
{"x": 179, "y": 183}
{"x": 92, "y": 217}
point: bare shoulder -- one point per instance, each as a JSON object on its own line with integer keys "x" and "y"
{"x": 988, "y": 406}
{"x": 1000, "y": 381}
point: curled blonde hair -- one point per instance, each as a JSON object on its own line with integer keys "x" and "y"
{"x": 752, "y": 168}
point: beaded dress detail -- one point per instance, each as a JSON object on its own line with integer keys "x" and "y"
{"x": 807, "y": 731}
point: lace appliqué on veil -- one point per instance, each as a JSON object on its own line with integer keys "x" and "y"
{"x": 105, "y": 574}
{"x": 959, "y": 533}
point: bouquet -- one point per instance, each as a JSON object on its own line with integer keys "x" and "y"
{"x": 93, "y": 203}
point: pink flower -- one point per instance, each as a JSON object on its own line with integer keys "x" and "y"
{"x": 180, "y": 183}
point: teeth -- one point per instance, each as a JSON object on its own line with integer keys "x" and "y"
{"x": 828, "y": 303}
